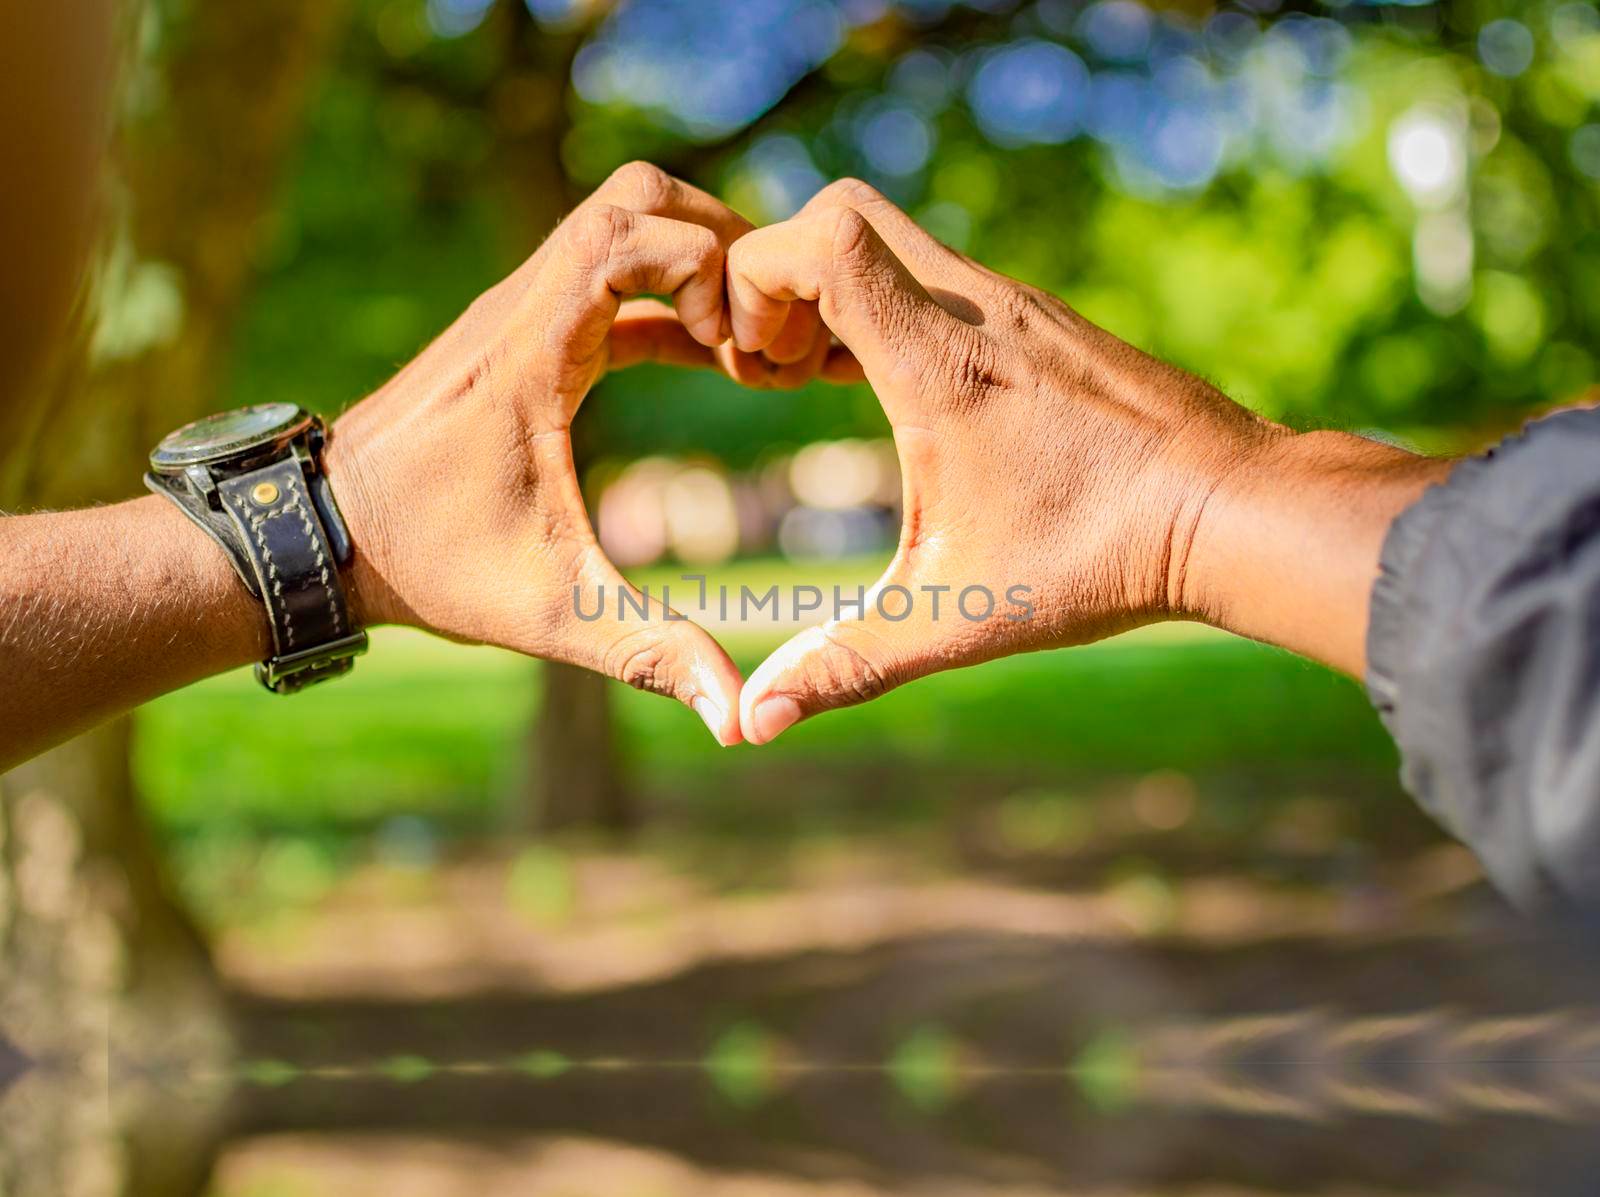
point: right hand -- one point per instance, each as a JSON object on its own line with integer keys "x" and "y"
{"x": 1037, "y": 451}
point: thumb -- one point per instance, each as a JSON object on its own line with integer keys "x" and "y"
{"x": 634, "y": 637}
{"x": 840, "y": 663}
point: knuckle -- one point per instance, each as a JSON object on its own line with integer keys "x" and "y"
{"x": 707, "y": 248}
{"x": 980, "y": 372}
{"x": 851, "y": 192}
{"x": 847, "y": 673}
{"x": 601, "y": 230}
{"x": 749, "y": 265}
{"x": 1019, "y": 307}
{"x": 852, "y": 240}
{"x": 736, "y": 257}
{"x": 644, "y": 664}
{"x": 642, "y": 185}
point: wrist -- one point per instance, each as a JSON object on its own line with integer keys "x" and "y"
{"x": 356, "y": 478}
{"x": 226, "y": 622}
{"x": 1209, "y": 515}
{"x": 1209, "y": 480}
{"x": 1285, "y": 548}
{"x": 177, "y": 576}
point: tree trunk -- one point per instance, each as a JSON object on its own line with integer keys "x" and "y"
{"x": 105, "y": 982}
{"x": 101, "y": 971}
{"x": 577, "y": 781}
{"x": 574, "y": 777}
{"x": 195, "y": 178}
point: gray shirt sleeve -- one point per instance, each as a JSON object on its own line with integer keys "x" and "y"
{"x": 1484, "y": 658}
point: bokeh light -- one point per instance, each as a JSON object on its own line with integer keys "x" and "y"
{"x": 710, "y": 68}
{"x": 1117, "y": 30}
{"x": 1030, "y": 92}
{"x": 1584, "y": 149}
{"x": 1428, "y": 154}
{"x": 783, "y": 175}
{"x": 1506, "y": 47}
{"x": 631, "y": 520}
{"x": 830, "y": 498}
{"x": 454, "y": 18}
{"x": 840, "y": 474}
{"x": 702, "y": 523}
{"x": 1442, "y": 255}
{"x": 923, "y": 79}
{"x": 895, "y": 139}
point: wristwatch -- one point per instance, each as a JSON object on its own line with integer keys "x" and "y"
{"x": 252, "y": 480}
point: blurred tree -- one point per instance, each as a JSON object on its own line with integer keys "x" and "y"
{"x": 93, "y": 943}
{"x": 1235, "y": 186}
{"x": 459, "y": 141}
{"x": 1249, "y": 193}
{"x": 575, "y": 775}
{"x": 1372, "y": 215}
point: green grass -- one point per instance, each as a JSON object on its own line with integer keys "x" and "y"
{"x": 435, "y": 729}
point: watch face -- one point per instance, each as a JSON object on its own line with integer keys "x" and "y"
{"x": 227, "y": 434}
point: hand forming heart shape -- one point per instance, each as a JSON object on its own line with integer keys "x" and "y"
{"x": 1040, "y": 455}
{"x": 1000, "y": 396}
{"x": 457, "y": 480}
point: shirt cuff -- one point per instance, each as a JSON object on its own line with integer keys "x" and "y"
{"x": 1483, "y": 661}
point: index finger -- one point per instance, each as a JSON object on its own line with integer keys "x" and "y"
{"x": 647, "y": 189}
{"x": 931, "y": 260}
{"x": 867, "y": 296}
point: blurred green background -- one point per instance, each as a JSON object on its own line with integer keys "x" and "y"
{"x": 1378, "y": 217}
{"x": 1374, "y": 216}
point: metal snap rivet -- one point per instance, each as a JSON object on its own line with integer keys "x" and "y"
{"x": 265, "y": 494}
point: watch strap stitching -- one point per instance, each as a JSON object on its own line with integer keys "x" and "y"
{"x": 291, "y": 557}
{"x": 273, "y": 578}
{"x": 293, "y": 507}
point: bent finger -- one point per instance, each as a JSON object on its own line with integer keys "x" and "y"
{"x": 632, "y": 636}
{"x": 797, "y": 339}
{"x": 603, "y": 254}
{"x": 840, "y": 365}
{"x": 759, "y": 372}
{"x": 932, "y": 261}
{"x": 866, "y": 295}
{"x": 647, "y": 189}
{"x": 647, "y": 330}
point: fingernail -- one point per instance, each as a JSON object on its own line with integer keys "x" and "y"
{"x": 712, "y": 715}
{"x": 773, "y": 716}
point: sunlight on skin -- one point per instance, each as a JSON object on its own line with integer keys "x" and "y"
{"x": 1037, "y": 449}
{"x": 456, "y": 480}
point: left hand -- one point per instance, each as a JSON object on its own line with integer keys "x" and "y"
{"x": 457, "y": 480}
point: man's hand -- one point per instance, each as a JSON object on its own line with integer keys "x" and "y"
{"x": 457, "y": 478}
{"x": 1083, "y": 485}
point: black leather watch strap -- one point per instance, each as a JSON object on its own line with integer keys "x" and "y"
{"x": 312, "y": 634}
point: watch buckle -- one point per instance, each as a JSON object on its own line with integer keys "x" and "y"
{"x": 295, "y": 671}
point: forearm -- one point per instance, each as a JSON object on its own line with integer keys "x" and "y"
{"x": 105, "y": 608}
{"x": 1286, "y": 550}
